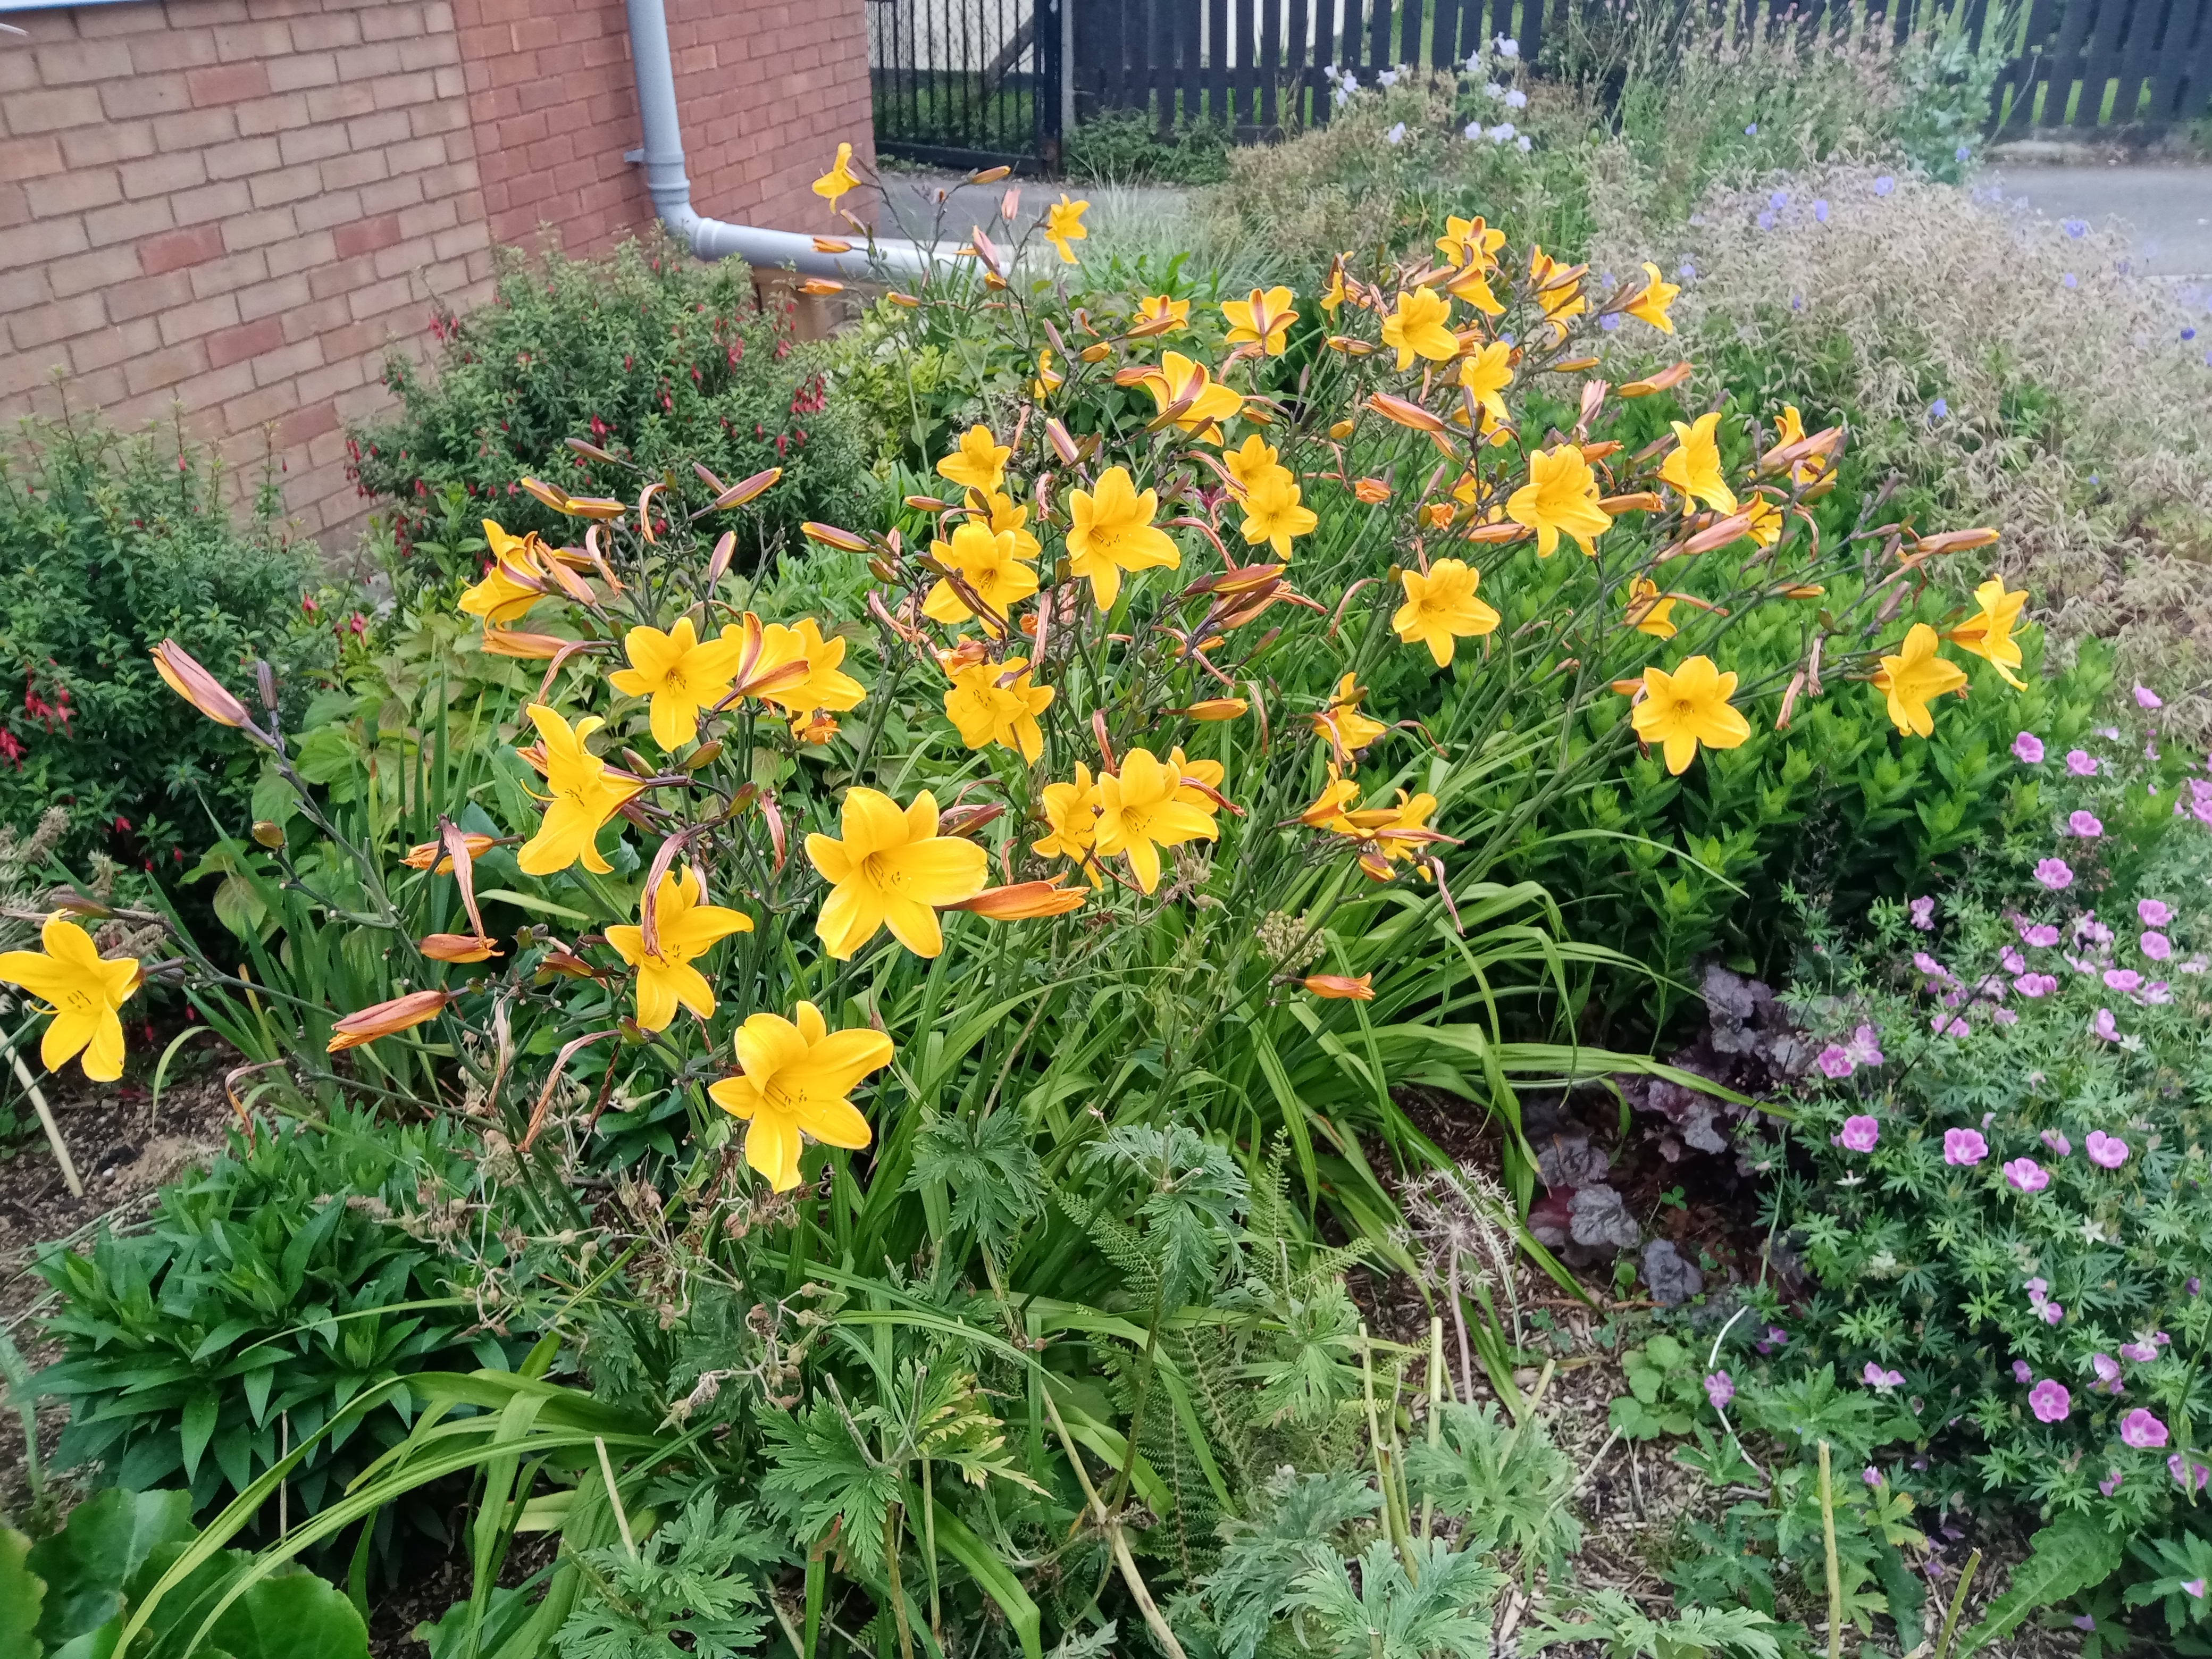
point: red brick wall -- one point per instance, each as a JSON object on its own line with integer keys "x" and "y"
{"x": 239, "y": 206}
{"x": 765, "y": 90}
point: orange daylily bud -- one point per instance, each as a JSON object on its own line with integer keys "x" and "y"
{"x": 1404, "y": 412}
{"x": 1436, "y": 514}
{"x": 1505, "y": 531}
{"x": 568, "y": 965}
{"x": 1629, "y": 687}
{"x": 386, "y": 1017}
{"x": 1955, "y": 541}
{"x": 1665, "y": 379}
{"x": 1574, "y": 365}
{"x": 1639, "y": 500}
{"x": 185, "y": 677}
{"x": 819, "y": 285}
{"x": 511, "y": 643}
{"x": 988, "y": 175}
{"x": 1600, "y": 450}
{"x": 457, "y": 947}
{"x": 1095, "y": 354}
{"x": 425, "y": 854}
{"x": 1337, "y": 986}
{"x": 830, "y": 536}
{"x": 746, "y": 490}
{"x": 1373, "y": 491}
{"x": 1217, "y": 708}
{"x": 552, "y": 495}
{"x": 966, "y": 820}
{"x": 907, "y": 300}
{"x": 831, "y": 245}
{"x": 1063, "y": 443}
{"x": 1350, "y": 346}
{"x": 1804, "y": 591}
{"x": 1341, "y": 430}
{"x": 1024, "y": 900}
{"x": 267, "y": 832}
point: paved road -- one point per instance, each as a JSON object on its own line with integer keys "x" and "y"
{"x": 2169, "y": 208}
{"x": 910, "y": 200}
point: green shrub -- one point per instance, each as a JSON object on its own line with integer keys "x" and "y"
{"x": 108, "y": 544}
{"x": 1126, "y": 146}
{"x": 647, "y": 353}
{"x": 266, "y": 1294}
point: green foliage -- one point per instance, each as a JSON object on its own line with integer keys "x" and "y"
{"x": 647, "y": 353}
{"x": 1664, "y": 1390}
{"x": 1508, "y": 1484}
{"x": 1628, "y": 1633}
{"x": 265, "y": 1296}
{"x": 107, "y": 545}
{"x": 1434, "y": 1603}
{"x": 684, "y": 1589}
{"x": 2073, "y": 1553}
{"x": 1126, "y": 146}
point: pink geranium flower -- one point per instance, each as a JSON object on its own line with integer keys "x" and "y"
{"x": 1923, "y": 914}
{"x": 1720, "y": 1388}
{"x": 1834, "y": 1062}
{"x": 2153, "y": 913}
{"x": 2110, "y": 1483}
{"x": 2102, "y": 1024}
{"x": 2057, "y": 1142}
{"x": 2123, "y": 979}
{"x": 2107, "y": 1152}
{"x": 2054, "y": 1313}
{"x": 2141, "y": 1353}
{"x": 2155, "y": 945}
{"x": 1964, "y": 1146}
{"x": 2146, "y": 698}
{"x": 2036, "y": 985}
{"x": 2027, "y": 1176}
{"x": 1865, "y": 1047}
{"x": 2011, "y": 961}
{"x": 2050, "y": 1402}
{"x": 2081, "y": 763}
{"x": 2182, "y": 1478}
{"x": 2142, "y": 1431}
{"x": 2029, "y": 748}
{"x": 1860, "y": 1133}
{"x": 2084, "y": 824}
{"x": 2108, "y": 1373}
{"x": 2055, "y": 873}
{"x": 1948, "y": 1025}
{"x": 2021, "y": 1374}
{"x": 1882, "y": 1382}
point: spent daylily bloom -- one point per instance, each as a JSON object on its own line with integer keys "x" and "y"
{"x": 840, "y": 177}
{"x": 1263, "y": 320}
{"x": 1689, "y": 707}
{"x": 1694, "y": 466}
{"x": 1651, "y": 305}
{"x": 584, "y": 796}
{"x": 1421, "y": 327}
{"x": 1112, "y": 531}
{"x": 84, "y": 990}
{"x": 1441, "y": 608}
{"x": 1274, "y": 514}
{"x": 1917, "y": 674}
{"x": 993, "y": 702}
{"x": 1024, "y": 900}
{"x": 794, "y": 1080}
{"x": 1340, "y": 986}
{"x": 182, "y": 673}
{"x": 1988, "y": 632}
{"x": 1560, "y": 496}
{"x": 681, "y": 673}
{"x": 1141, "y": 809}
{"x": 1063, "y": 224}
{"x": 979, "y": 462}
{"x": 433, "y": 856}
{"x": 386, "y": 1019}
{"x": 1202, "y": 403}
{"x": 684, "y": 927}
{"x": 990, "y": 565}
{"x": 892, "y": 868}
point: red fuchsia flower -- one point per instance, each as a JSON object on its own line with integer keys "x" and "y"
{"x": 2029, "y": 748}
{"x": 2155, "y": 945}
{"x": 2050, "y": 1402}
{"x": 2021, "y": 1374}
{"x": 2153, "y": 913}
{"x": 2106, "y": 1151}
{"x": 2057, "y": 1142}
{"x": 2081, "y": 763}
{"x": 2143, "y": 1430}
{"x": 2027, "y": 1176}
{"x": 2056, "y": 874}
{"x": 2102, "y": 1024}
{"x": 1964, "y": 1146}
{"x": 1860, "y": 1133}
{"x": 2108, "y": 1373}
{"x": 2084, "y": 824}
{"x": 1882, "y": 1382}
{"x": 1834, "y": 1061}
{"x": 1720, "y": 1388}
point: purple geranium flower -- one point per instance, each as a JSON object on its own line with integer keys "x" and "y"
{"x": 2050, "y": 1402}
{"x": 2021, "y": 1374}
{"x": 2081, "y": 763}
{"x": 2102, "y": 1024}
{"x": 1964, "y": 1146}
{"x": 1860, "y": 1133}
{"x": 2146, "y": 698}
{"x": 2155, "y": 945}
{"x": 2041, "y": 935}
{"x": 2054, "y": 873}
{"x": 2111, "y": 1483}
{"x": 1834, "y": 1062}
{"x": 2084, "y": 824}
{"x": 2141, "y": 1353}
{"x": 1882, "y": 1382}
{"x": 2107, "y": 1152}
{"x": 2153, "y": 913}
{"x": 2123, "y": 979}
{"x": 1948, "y": 1024}
{"x": 2108, "y": 1373}
{"x": 2036, "y": 985}
{"x": 2027, "y": 1176}
{"x": 1865, "y": 1047}
{"x": 2142, "y": 1431}
{"x": 2057, "y": 1143}
{"x": 2182, "y": 1478}
{"x": 2029, "y": 748}
{"x": 1720, "y": 1388}
{"x": 1923, "y": 914}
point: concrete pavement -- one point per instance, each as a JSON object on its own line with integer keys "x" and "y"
{"x": 2168, "y": 209}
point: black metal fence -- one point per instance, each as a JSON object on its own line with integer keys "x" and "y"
{"x": 972, "y": 82}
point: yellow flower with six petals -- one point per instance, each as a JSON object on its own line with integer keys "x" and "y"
{"x": 1441, "y": 608}
{"x": 1263, "y": 320}
{"x": 1063, "y": 223}
{"x": 891, "y": 869}
{"x": 84, "y": 990}
{"x": 979, "y": 462}
{"x": 1561, "y": 495}
{"x": 989, "y": 566}
{"x": 681, "y": 673}
{"x": 584, "y": 796}
{"x": 1988, "y": 632}
{"x": 1420, "y": 328}
{"x": 684, "y": 926}
{"x": 1206, "y": 402}
{"x": 994, "y": 703}
{"x": 1651, "y": 305}
{"x": 1112, "y": 531}
{"x": 1689, "y": 707}
{"x": 1694, "y": 466}
{"x": 1141, "y": 809}
{"x": 839, "y": 179}
{"x": 794, "y": 1081}
{"x": 1910, "y": 679}
{"x": 1273, "y": 514}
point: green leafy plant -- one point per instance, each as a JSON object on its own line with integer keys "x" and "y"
{"x": 1664, "y": 1390}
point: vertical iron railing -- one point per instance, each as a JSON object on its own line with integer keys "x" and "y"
{"x": 967, "y": 83}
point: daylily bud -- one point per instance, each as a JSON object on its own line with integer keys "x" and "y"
{"x": 1640, "y": 501}
{"x": 746, "y": 490}
{"x": 1338, "y": 987}
{"x": 588, "y": 450}
{"x": 989, "y": 175}
{"x": 1341, "y": 430}
{"x": 831, "y": 245}
{"x": 1803, "y": 591}
{"x": 1373, "y": 491}
{"x": 1024, "y": 900}
{"x": 1663, "y": 380}
{"x": 821, "y": 285}
{"x": 1505, "y": 531}
{"x": 1574, "y": 365}
{"x": 265, "y": 680}
{"x": 385, "y": 1018}
{"x": 423, "y": 854}
{"x": 552, "y": 495}
{"x": 926, "y": 503}
{"x": 907, "y": 300}
{"x": 457, "y": 947}
{"x": 202, "y": 690}
{"x": 1600, "y": 450}
{"x": 1405, "y": 413}
{"x": 511, "y": 643}
{"x": 718, "y": 562}
{"x": 1063, "y": 445}
{"x": 705, "y": 754}
{"x": 267, "y": 832}
{"x": 1955, "y": 541}
{"x": 966, "y": 820}
{"x": 830, "y": 536}
{"x": 1217, "y": 708}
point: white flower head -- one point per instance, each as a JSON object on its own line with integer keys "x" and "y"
{"x": 1493, "y": 90}
{"x": 1523, "y": 142}
{"x": 1474, "y": 129}
{"x": 1507, "y": 48}
{"x": 1387, "y": 77}
{"x": 1396, "y": 135}
{"x": 1516, "y": 98}
{"x": 1502, "y": 133}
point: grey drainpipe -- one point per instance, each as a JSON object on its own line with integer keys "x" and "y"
{"x": 716, "y": 239}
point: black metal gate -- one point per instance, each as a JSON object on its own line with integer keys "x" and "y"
{"x": 968, "y": 83}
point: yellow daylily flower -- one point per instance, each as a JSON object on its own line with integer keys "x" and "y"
{"x": 1140, "y": 809}
{"x": 497, "y": 596}
{"x": 1472, "y": 287}
{"x": 1561, "y": 495}
{"x": 1008, "y": 518}
{"x": 1420, "y": 328}
{"x": 1207, "y": 772}
{"x": 793, "y": 1080}
{"x": 584, "y": 796}
{"x": 890, "y": 869}
{"x": 1048, "y": 380}
{"x": 1650, "y": 306}
{"x": 1789, "y": 430}
{"x": 1396, "y": 835}
{"x": 1689, "y": 707}
{"x": 681, "y": 673}
{"x": 992, "y": 569}
{"x": 1917, "y": 674}
{"x": 1251, "y": 461}
{"x": 1347, "y": 730}
{"x": 1486, "y": 375}
{"x": 1648, "y": 609}
{"x": 1766, "y": 521}
{"x": 826, "y": 687}
{"x": 1471, "y": 243}
{"x": 1441, "y": 607}
{"x": 1113, "y": 531}
{"x": 1988, "y": 633}
{"x": 1207, "y": 403}
{"x": 1272, "y": 514}
{"x": 980, "y": 462}
{"x": 1326, "y": 812}
{"x": 994, "y": 703}
{"x": 1694, "y": 466}
{"x": 1335, "y": 294}
{"x": 839, "y": 179}
{"x": 1071, "y": 813}
{"x": 1262, "y": 321}
{"x": 684, "y": 926}
{"x": 1157, "y": 315}
{"x": 1063, "y": 224}
{"x": 84, "y": 989}
{"x": 1561, "y": 298}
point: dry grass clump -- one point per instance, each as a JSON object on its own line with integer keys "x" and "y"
{"x": 2009, "y": 370}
